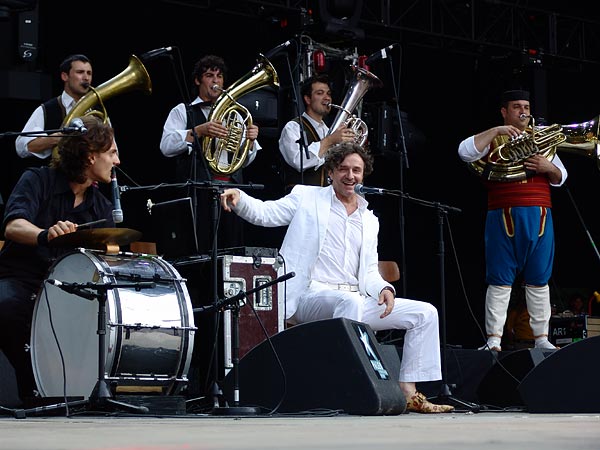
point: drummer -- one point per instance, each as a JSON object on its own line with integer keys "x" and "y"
{"x": 45, "y": 203}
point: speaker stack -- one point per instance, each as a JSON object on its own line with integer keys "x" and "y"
{"x": 333, "y": 364}
{"x": 546, "y": 381}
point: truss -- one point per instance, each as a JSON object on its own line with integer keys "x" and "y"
{"x": 558, "y": 31}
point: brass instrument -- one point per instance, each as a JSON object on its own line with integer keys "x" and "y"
{"x": 505, "y": 161}
{"x": 363, "y": 81}
{"x": 236, "y": 118}
{"x": 134, "y": 77}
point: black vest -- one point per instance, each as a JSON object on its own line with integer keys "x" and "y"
{"x": 311, "y": 176}
{"x": 54, "y": 114}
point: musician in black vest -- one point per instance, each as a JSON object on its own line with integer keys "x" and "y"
{"x": 76, "y": 74}
{"x": 183, "y": 131}
{"x": 316, "y": 94}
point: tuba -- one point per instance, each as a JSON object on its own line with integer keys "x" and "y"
{"x": 134, "y": 77}
{"x": 505, "y": 161}
{"x": 362, "y": 81}
{"x": 236, "y": 118}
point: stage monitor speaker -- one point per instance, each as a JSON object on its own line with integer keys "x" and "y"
{"x": 566, "y": 381}
{"x": 333, "y": 364}
{"x": 499, "y": 386}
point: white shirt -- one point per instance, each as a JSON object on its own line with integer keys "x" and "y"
{"x": 37, "y": 123}
{"x": 340, "y": 253}
{"x": 291, "y": 150}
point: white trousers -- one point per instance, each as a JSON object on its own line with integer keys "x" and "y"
{"x": 421, "y": 350}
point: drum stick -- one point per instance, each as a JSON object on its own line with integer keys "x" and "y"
{"x": 89, "y": 224}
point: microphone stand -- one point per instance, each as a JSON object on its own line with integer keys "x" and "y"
{"x": 216, "y": 189}
{"x": 302, "y": 141}
{"x": 403, "y": 165}
{"x": 40, "y": 133}
{"x": 445, "y": 394}
{"x": 233, "y": 303}
{"x": 101, "y": 397}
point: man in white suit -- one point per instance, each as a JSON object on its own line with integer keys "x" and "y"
{"x": 331, "y": 245}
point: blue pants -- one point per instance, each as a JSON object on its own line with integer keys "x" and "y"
{"x": 519, "y": 240}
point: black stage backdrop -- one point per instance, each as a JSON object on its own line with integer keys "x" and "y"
{"x": 444, "y": 96}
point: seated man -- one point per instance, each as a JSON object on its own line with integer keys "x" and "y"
{"x": 331, "y": 245}
{"x": 48, "y": 202}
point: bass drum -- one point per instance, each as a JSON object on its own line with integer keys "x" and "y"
{"x": 149, "y": 332}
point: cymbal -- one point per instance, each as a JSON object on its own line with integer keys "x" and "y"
{"x": 96, "y": 238}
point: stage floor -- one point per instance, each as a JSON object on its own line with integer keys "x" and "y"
{"x": 460, "y": 431}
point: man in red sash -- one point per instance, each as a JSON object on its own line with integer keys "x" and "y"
{"x": 519, "y": 235}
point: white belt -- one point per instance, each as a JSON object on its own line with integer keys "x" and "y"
{"x": 339, "y": 286}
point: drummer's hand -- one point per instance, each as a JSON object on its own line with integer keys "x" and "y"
{"x": 60, "y": 228}
{"x": 229, "y": 199}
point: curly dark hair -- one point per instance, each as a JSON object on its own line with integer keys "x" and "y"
{"x": 209, "y": 62}
{"x": 74, "y": 149}
{"x": 336, "y": 154}
{"x": 307, "y": 86}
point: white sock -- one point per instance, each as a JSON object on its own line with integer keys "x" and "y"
{"x": 543, "y": 342}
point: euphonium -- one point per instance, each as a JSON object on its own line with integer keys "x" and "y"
{"x": 505, "y": 162}
{"x": 236, "y": 118}
{"x": 578, "y": 138}
{"x": 134, "y": 77}
{"x": 363, "y": 80}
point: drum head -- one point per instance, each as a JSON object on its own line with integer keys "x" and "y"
{"x": 147, "y": 339}
{"x": 74, "y": 322}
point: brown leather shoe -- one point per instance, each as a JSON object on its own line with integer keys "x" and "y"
{"x": 419, "y": 403}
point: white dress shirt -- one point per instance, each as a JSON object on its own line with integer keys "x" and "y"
{"x": 37, "y": 123}
{"x": 290, "y": 148}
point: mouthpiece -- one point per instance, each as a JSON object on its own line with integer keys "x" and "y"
{"x": 85, "y": 85}
{"x": 216, "y": 87}
{"x": 524, "y": 116}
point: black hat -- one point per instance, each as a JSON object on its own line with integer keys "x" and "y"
{"x": 510, "y": 96}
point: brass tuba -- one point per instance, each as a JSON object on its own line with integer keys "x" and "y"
{"x": 362, "y": 81}
{"x": 582, "y": 138}
{"x": 505, "y": 160}
{"x": 236, "y": 118}
{"x": 134, "y": 77}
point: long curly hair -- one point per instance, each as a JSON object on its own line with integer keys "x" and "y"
{"x": 74, "y": 149}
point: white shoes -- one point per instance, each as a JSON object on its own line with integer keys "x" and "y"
{"x": 544, "y": 343}
{"x": 492, "y": 344}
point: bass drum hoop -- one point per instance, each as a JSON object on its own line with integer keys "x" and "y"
{"x": 149, "y": 332}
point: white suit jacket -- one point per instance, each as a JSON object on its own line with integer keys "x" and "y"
{"x": 305, "y": 210}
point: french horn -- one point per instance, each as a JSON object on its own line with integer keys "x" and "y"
{"x": 134, "y": 77}
{"x": 362, "y": 81}
{"x": 236, "y": 118}
{"x": 505, "y": 162}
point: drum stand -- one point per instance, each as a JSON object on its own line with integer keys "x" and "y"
{"x": 101, "y": 398}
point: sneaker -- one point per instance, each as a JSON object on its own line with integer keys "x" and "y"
{"x": 419, "y": 403}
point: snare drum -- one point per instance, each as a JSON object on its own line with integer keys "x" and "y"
{"x": 149, "y": 332}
